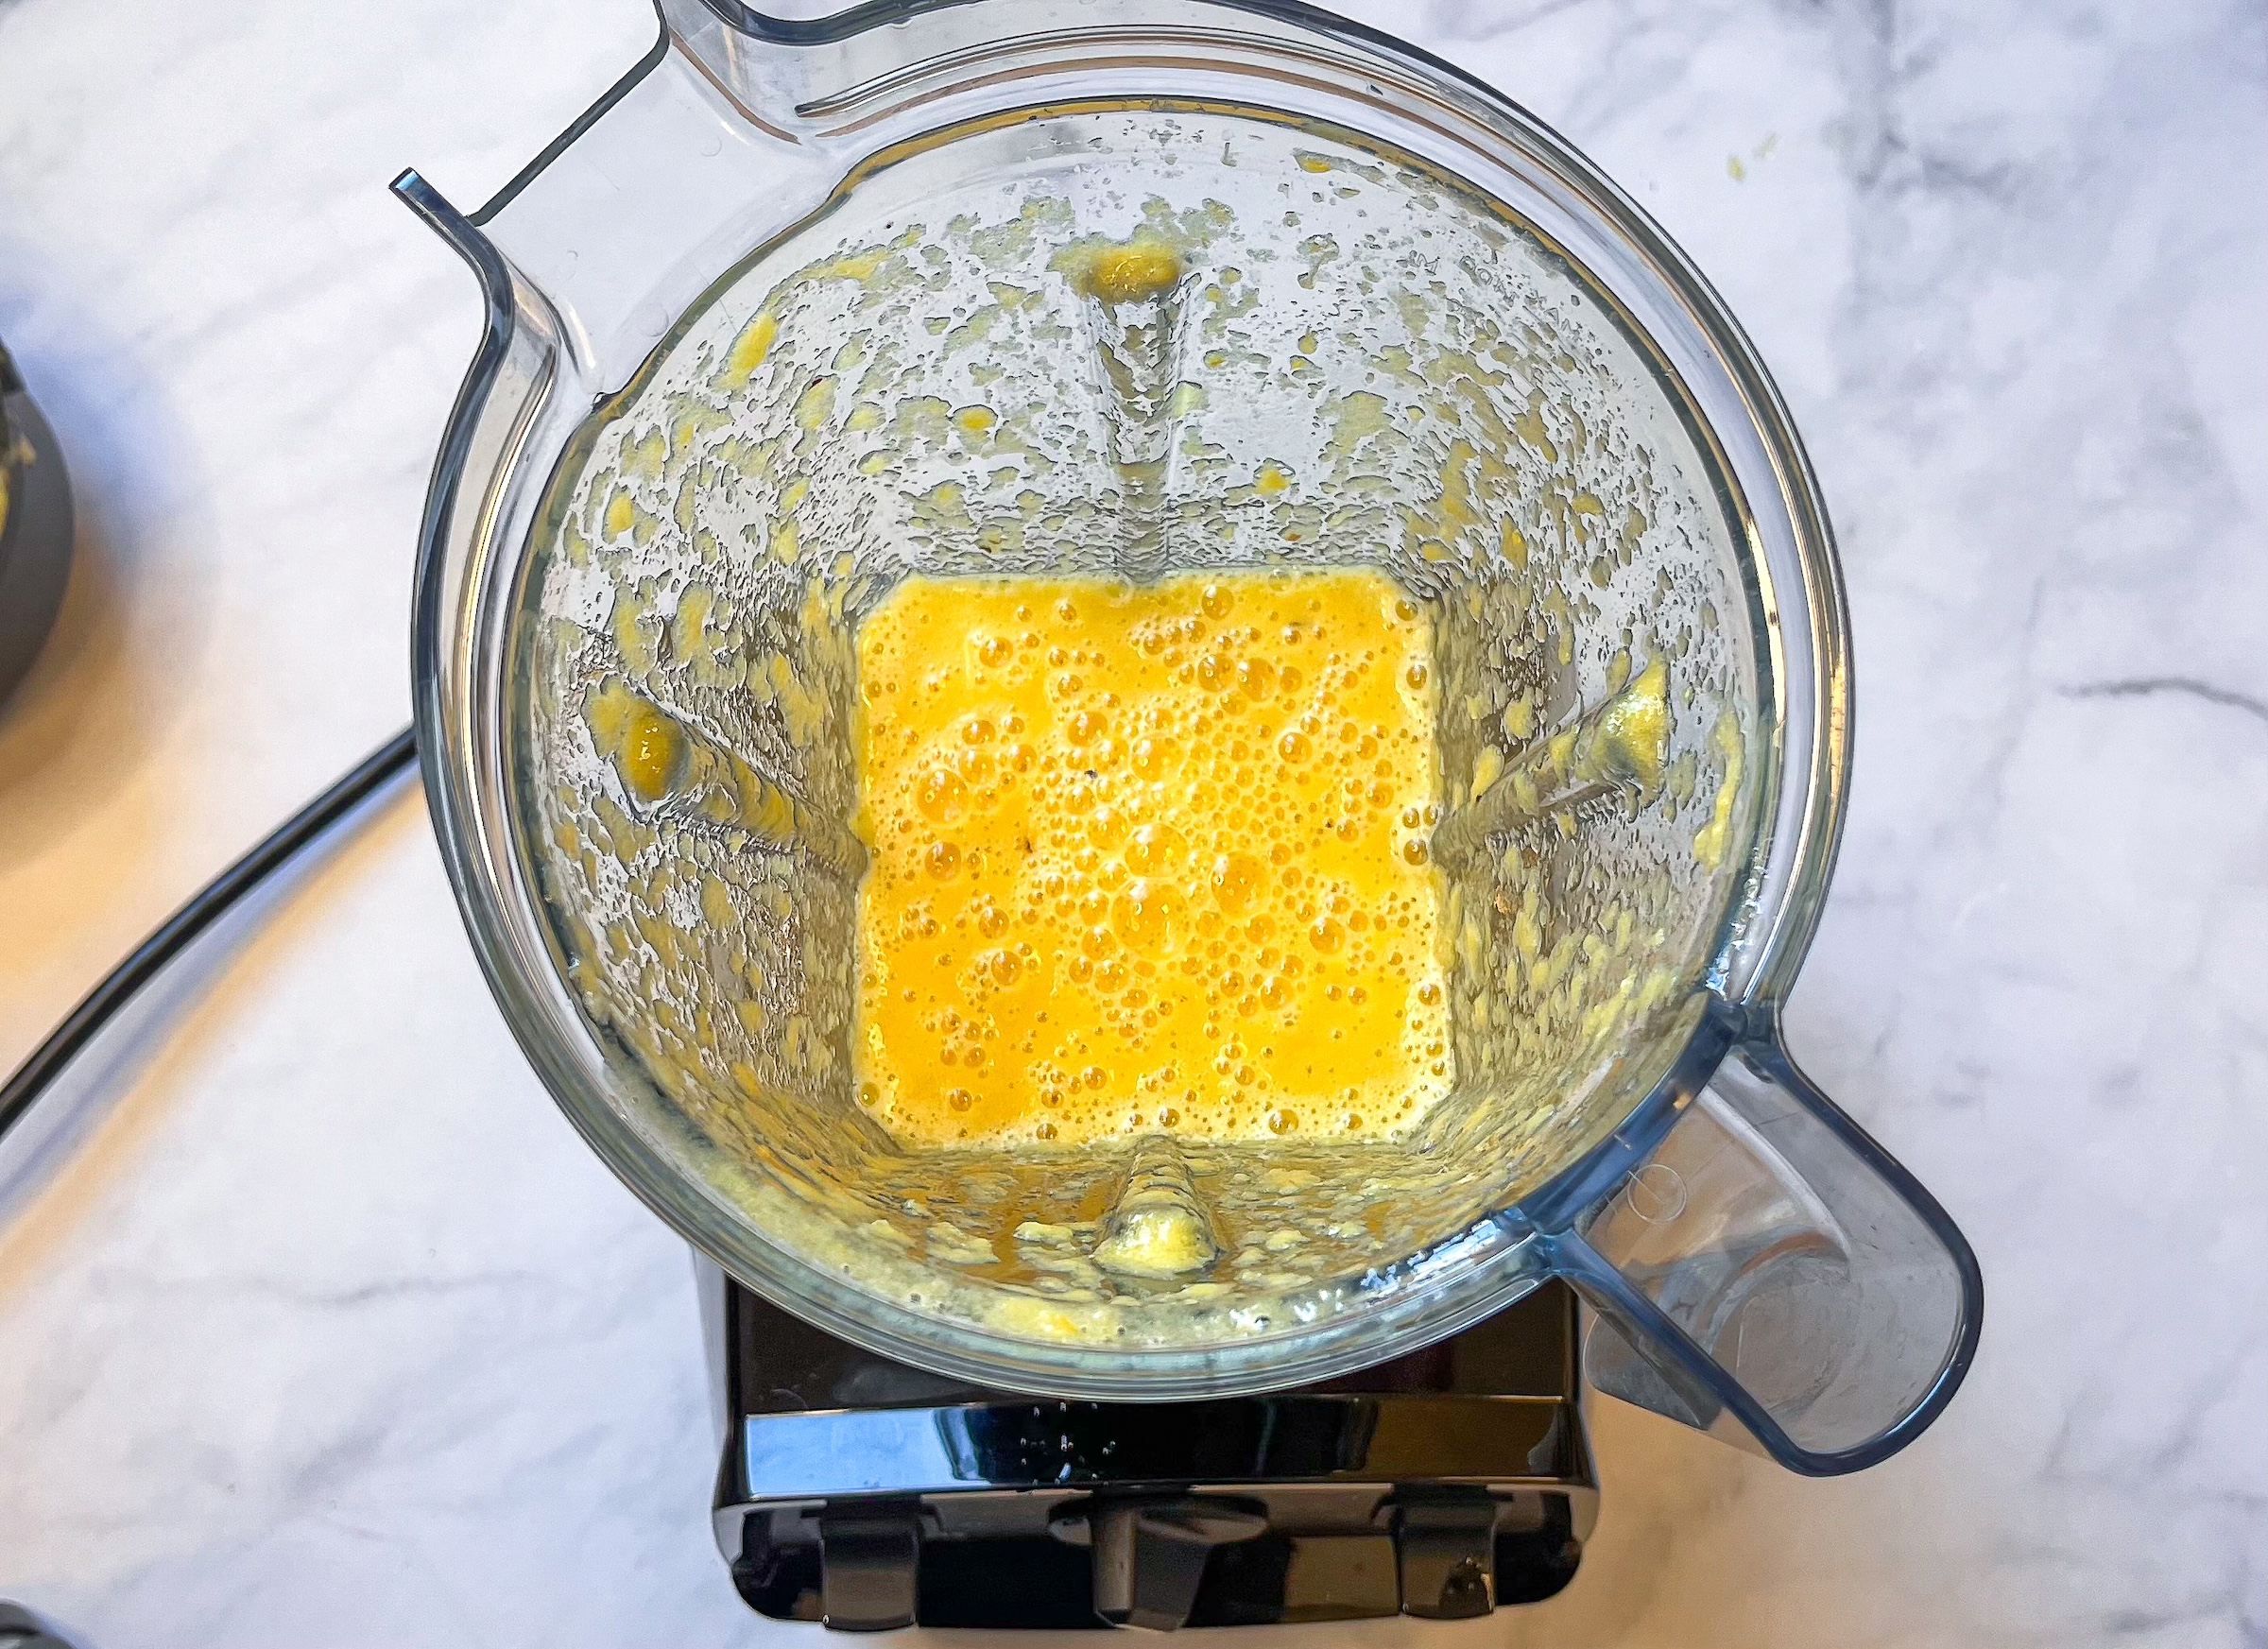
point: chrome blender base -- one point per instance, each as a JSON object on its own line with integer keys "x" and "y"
{"x": 867, "y": 1495}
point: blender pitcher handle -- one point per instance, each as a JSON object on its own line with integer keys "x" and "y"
{"x": 1771, "y": 1276}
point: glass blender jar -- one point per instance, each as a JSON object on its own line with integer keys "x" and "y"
{"x": 804, "y": 307}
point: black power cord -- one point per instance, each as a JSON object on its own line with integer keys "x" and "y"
{"x": 294, "y": 836}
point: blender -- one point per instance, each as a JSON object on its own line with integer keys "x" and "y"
{"x": 805, "y": 306}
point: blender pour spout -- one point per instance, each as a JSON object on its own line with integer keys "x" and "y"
{"x": 692, "y": 157}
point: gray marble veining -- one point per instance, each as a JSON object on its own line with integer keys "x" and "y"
{"x": 327, "y": 1330}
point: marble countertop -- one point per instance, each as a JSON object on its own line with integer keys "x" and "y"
{"x": 318, "y": 1326}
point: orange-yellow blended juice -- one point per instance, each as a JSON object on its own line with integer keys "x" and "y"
{"x": 1148, "y": 858}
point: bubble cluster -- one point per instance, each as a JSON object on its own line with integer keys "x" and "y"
{"x": 1148, "y": 858}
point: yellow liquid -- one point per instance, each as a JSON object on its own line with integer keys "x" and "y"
{"x": 1149, "y": 859}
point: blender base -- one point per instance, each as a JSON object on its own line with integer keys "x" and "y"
{"x": 867, "y": 1494}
